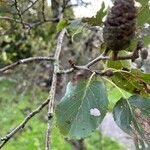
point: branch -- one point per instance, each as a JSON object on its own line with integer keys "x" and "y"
{"x": 53, "y": 87}
{"x": 23, "y": 123}
{"x": 15, "y": 20}
{"x": 84, "y": 3}
{"x": 133, "y": 56}
{"x": 19, "y": 13}
{"x": 30, "y": 6}
{"x": 43, "y": 10}
{"x": 42, "y": 22}
{"x": 29, "y": 25}
{"x": 79, "y": 3}
{"x": 25, "y": 61}
{"x": 32, "y": 24}
{"x": 88, "y": 65}
{"x": 49, "y": 100}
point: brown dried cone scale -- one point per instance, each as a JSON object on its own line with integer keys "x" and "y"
{"x": 120, "y": 25}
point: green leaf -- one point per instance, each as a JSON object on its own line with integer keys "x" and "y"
{"x": 132, "y": 82}
{"x": 4, "y": 55}
{"x": 114, "y": 95}
{"x": 61, "y": 24}
{"x": 77, "y": 28}
{"x": 96, "y": 20}
{"x": 133, "y": 44}
{"x": 75, "y": 23}
{"x": 144, "y": 11}
{"x": 120, "y": 64}
{"x": 73, "y": 113}
{"x": 98, "y": 141}
{"x": 133, "y": 117}
{"x": 114, "y": 64}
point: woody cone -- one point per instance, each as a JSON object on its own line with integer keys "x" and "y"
{"x": 120, "y": 25}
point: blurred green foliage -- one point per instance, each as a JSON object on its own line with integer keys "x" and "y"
{"x": 98, "y": 141}
{"x": 15, "y": 107}
{"x": 17, "y": 43}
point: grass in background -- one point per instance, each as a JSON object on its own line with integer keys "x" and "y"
{"x": 14, "y": 106}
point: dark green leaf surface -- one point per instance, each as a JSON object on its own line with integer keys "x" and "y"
{"x": 144, "y": 11}
{"x": 122, "y": 115}
{"x": 73, "y": 112}
{"x": 133, "y": 117}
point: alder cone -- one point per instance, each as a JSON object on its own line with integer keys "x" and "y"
{"x": 120, "y": 25}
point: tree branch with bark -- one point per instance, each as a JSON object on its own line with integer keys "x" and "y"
{"x": 49, "y": 101}
{"x": 51, "y": 98}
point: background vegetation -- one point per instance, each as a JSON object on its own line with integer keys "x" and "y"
{"x": 31, "y": 29}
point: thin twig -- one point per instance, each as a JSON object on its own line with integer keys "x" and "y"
{"x": 47, "y": 101}
{"x": 64, "y": 5}
{"x": 23, "y": 123}
{"x": 53, "y": 87}
{"x": 133, "y": 56}
{"x": 30, "y": 6}
{"x": 43, "y": 10}
{"x": 84, "y": 3}
{"x": 79, "y": 3}
{"x": 42, "y": 22}
{"x": 50, "y": 99}
{"x": 19, "y": 13}
{"x": 15, "y": 20}
{"x": 25, "y": 61}
{"x": 94, "y": 61}
{"x": 26, "y": 24}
